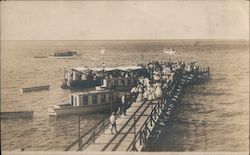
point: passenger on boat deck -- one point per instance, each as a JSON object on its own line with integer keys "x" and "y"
{"x": 112, "y": 85}
{"x": 112, "y": 119}
{"x": 103, "y": 65}
{"x": 196, "y": 67}
{"x": 126, "y": 75}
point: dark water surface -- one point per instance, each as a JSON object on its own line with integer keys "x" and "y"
{"x": 211, "y": 117}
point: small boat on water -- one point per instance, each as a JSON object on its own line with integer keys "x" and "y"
{"x": 170, "y": 51}
{"x": 16, "y": 114}
{"x": 35, "y": 88}
{"x": 66, "y": 54}
{"x": 40, "y": 56}
{"x": 87, "y": 102}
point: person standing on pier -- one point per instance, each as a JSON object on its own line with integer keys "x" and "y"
{"x": 124, "y": 104}
{"x": 103, "y": 69}
{"x": 133, "y": 94}
{"x": 112, "y": 119}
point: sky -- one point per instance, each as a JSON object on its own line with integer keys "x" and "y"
{"x": 124, "y": 20}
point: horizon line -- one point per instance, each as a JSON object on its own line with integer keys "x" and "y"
{"x": 134, "y": 40}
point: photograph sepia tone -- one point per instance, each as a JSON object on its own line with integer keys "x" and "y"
{"x": 125, "y": 77}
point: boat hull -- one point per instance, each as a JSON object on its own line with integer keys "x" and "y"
{"x": 63, "y": 57}
{"x": 79, "y": 110}
{"x": 170, "y": 53}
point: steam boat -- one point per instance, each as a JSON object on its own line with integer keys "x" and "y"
{"x": 170, "y": 51}
{"x": 66, "y": 54}
{"x": 119, "y": 77}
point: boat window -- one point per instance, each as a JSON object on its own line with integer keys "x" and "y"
{"x": 115, "y": 82}
{"x": 129, "y": 82}
{"x": 109, "y": 83}
{"x": 72, "y": 100}
{"x": 85, "y": 100}
{"x": 75, "y": 101}
{"x": 122, "y": 82}
{"x": 103, "y": 97}
{"x": 94, "y": 99}
{"x": 110, "y": 98}
{"x": 134, "y": 81}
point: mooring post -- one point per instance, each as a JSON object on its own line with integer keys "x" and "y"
{"x": 134, "y": 127}
{"x": 208, "y": 70}
{"x": 103, "y": 124}
{"x": 111, "y": 108}
{"x": 151, "y": 121}
{"x": 134, "y": 141}
{"x": 140, "y": 138}
{"x": 94, "y": 135}
{"x": 151, "y": 104}
{"x": 79, "y": 133}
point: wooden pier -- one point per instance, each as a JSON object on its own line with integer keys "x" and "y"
{"x": 145, "y": 122}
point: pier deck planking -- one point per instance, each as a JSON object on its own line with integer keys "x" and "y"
{"x": 106, "y": 136}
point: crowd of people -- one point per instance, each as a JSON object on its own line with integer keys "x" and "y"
{"x": 162, "y": 79}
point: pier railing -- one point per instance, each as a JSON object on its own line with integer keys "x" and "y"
{"x": 147, "y": 127}
{"x": 89, "y": 136}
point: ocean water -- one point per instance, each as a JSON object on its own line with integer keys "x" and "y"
{"x": 211, "y": 117}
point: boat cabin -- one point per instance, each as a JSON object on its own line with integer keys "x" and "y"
{"x": 96, "y": 97}
{"x": 119, "y": 82}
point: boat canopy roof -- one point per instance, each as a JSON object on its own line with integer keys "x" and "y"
{"x": 91, "y": 92}
{"x": 127, "y": 68}
{"x": 108, "y": 69}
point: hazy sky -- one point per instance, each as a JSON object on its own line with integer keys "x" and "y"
{"x": 80, "y": 20}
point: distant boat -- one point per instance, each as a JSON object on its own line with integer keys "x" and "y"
{"x": 170, "y": 51}
{"x": 102, "y": 51}
{"x": 40, "y": 56}
{"x": 66, "y": 54}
